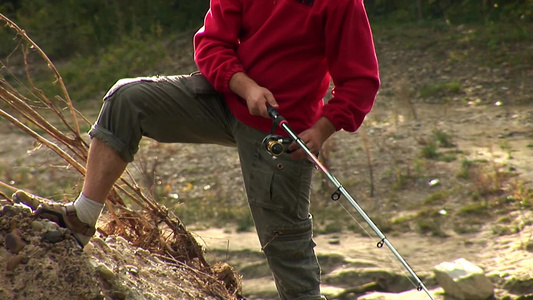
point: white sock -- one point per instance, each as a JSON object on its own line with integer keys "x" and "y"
{"x": 88, "y": 210}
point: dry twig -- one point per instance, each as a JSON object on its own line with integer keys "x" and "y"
{"x": 30, "y": 109}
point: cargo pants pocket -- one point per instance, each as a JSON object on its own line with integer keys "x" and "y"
{"x": 282, "y": 184}
{"x": 290, "y": 254}
{"x": 199, "y": 84}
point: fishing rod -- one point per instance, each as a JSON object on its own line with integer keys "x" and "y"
{"x": 275, "y": 147}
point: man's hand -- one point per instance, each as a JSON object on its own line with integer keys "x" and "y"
{"x": 256, "y": 96}
{"x": 313, "y": 138}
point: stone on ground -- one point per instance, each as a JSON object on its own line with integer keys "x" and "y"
{"x": 463, "y": 280}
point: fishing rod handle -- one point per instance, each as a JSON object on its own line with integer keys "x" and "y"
{"x": 274, "y": 114}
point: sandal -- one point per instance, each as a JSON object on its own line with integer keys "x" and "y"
{"x": 63, "y": 214}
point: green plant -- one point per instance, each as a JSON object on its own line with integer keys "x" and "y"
{"x": 401, "y": 223}
{"x": 70, "y": 28}
{"x": 522, "y": 193}
{"x": 503, "y": 230}
{"x": 528, "y": 245}
{"x": 440, "y": 88}
{"x": 464, "y": 172}
{"x": 332, "y": 227}
{"x": 430, "y": 151}
{"x": 504, "y": 220}
{"x": 443, "y": 139}
{"x": 506, "y": 147}
{"x": 448, "y": 157}
{"x": 476, "y": 208}
{"x": 89, "y": 75}
{"x": 436, "y": 198}
{"x": 245, "y": 223}
{"x": 486, "y": 176}
{"x": 429, "y": 220}
{"x": 401, "y": 180}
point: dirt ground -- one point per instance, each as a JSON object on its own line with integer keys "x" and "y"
{"x": 488, "y": 122}
{"x": 145, "y": 276}
{"x": 501, "y": 256}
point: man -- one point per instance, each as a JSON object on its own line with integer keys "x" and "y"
{"x": 253, "y": 53}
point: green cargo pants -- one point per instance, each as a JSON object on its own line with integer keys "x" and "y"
{"x": 186, "y": 109}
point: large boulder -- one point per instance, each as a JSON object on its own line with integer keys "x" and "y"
{"x": 463, "y": 280}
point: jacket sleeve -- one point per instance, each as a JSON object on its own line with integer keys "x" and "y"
{"x": 352, "y": 64}
{"x": 216, "y": 42}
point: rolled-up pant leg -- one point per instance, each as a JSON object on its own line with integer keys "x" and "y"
{"x": 278, "y": 194}
{"x": 166, "y": 109}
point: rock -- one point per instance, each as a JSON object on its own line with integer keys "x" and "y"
{"x": 408, "y": 295}
{"x": 44, "y": 270}
{"x": 14, "y": 261}
{"x": 8, "y": 211}
{"x": 519, "y": 286}
{"x": 4, "y": 255}
{"x": 354, "y": 277}
{"x": 463, "y": 280}
{"x": 118, "y": 295}
{"x": 36, "y": 225}
{"x": 54, "y": 236}
{"x": 132, "y": 270}
{"x": 105, "y": 272}
{"x": 49, "y": 225}
{"x": 14, "y": 242}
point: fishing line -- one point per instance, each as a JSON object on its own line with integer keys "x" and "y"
{"x": 388, "y": 255}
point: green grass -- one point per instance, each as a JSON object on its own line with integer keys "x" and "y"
{"x": 430, "y": 151}
{"x": 439, "y": 139}
{"x": 204, "y": 211}
{"x": 474, "y": 209}
{"x": 436, "y": 198}
{"x": 443, "y": 139}
{"x": 440, "y": 89}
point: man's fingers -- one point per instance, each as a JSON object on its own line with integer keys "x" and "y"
{"x": 298, "y": 153}
{"x": 271, "y": 100}
{"x": 263, "y": 111}
{"x": 258, "y": 100}
{"x": 294, "y": 146}
{"x": 254, "y": 110}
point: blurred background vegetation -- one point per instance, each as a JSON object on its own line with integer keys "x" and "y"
{"x": 94, "y": 43}
{"x": 104, "y": 40}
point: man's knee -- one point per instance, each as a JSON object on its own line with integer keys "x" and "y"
{"x": 103, "y": 136}
{"x": 291, "y": 256}
{"x": 117, "y": 124}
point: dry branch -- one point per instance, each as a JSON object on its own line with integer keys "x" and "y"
{"x": 32, "y": 111}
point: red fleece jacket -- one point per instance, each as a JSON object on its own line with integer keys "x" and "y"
{"x": 292, "y": 47}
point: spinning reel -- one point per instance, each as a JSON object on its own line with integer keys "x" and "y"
{"x": 276, "y": 144}
{"x": 273, "y": 143}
